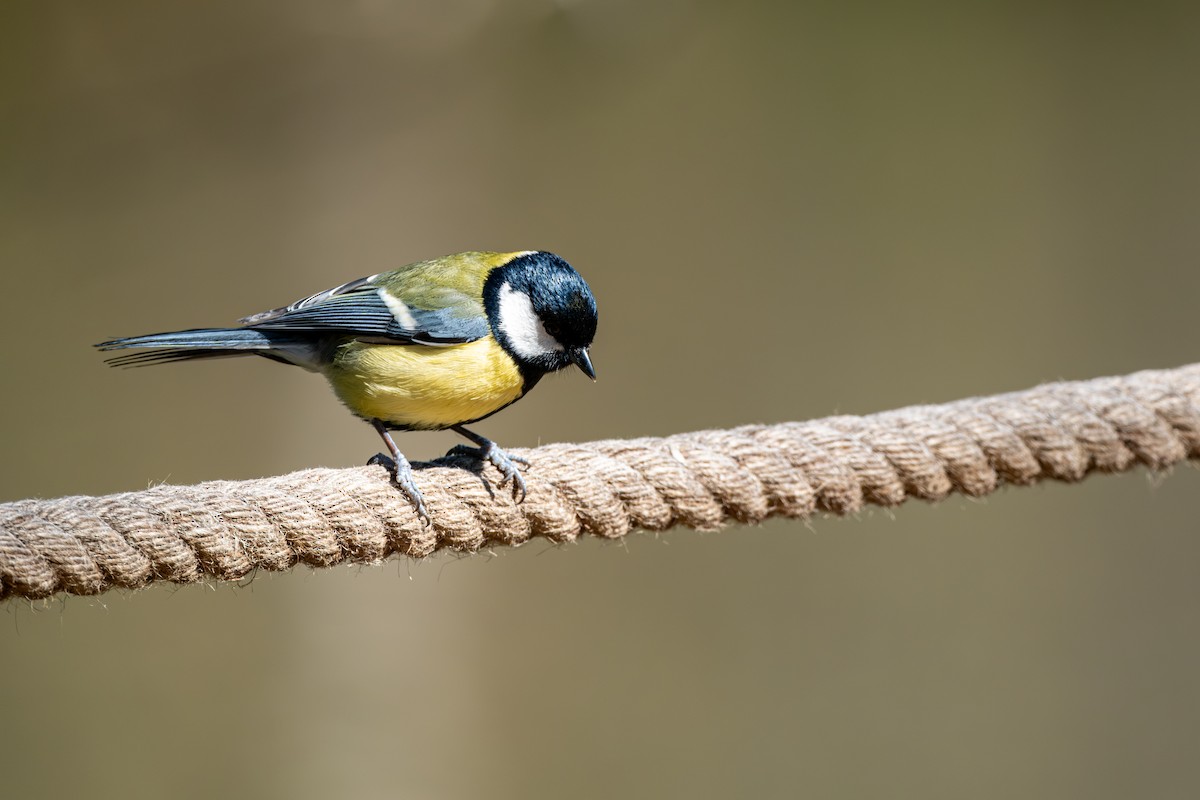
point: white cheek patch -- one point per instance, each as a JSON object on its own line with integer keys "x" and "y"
{"x": 520, "y": 323}
{"x": 399, "y": 310}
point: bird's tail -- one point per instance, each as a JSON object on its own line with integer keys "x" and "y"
{"x": 211, "y": 343}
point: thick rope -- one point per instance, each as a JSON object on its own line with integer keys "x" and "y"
{"x": 321, "y": 517}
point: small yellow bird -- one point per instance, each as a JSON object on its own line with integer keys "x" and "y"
{"x": 434, "y": 345}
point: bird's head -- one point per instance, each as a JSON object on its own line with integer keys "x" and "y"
{"x": 542, "y": 313}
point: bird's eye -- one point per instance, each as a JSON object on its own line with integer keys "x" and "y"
{"x": 553, "y": 328}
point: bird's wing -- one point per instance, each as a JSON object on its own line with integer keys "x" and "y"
{"x": 411, "y": 305}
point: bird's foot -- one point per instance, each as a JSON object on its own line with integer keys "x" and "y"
{"x": 507, "y": 464}
{"x": 402, "y": 478}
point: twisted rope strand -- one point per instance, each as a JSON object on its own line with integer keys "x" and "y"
{"x": 321, "y": 517}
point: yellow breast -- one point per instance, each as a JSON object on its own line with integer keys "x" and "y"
{"x": 420, "y": 387}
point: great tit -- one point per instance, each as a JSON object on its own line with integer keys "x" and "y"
{"x": 434, "y": 345}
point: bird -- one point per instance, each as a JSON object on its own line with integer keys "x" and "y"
{"x": 434, "y": 345}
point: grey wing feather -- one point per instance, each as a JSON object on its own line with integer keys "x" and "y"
{"x": 357, "y": 309}
{"x": 311, "y": 300}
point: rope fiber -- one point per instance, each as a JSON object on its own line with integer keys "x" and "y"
{"x": 320, "y": 517}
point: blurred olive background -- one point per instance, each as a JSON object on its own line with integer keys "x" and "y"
{"x": 786, "y": 210}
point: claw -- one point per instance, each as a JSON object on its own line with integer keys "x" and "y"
{"x": 401, "y": 473}
{"x": 508, "y": 470}
{"x": 492, "y": 453}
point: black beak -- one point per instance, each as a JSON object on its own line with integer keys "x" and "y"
{"x": 580, "y": 359}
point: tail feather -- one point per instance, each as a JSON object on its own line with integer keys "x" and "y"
{"x": 212, "y": 338}
{"x": 200, "y": 343}
{"x": 150, "y": 357}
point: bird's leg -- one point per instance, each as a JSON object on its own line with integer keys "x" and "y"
{"x": 401, "y": 471}
{"x": 491, "y": 452}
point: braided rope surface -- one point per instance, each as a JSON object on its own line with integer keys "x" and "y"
{"x": 321, "y": 517}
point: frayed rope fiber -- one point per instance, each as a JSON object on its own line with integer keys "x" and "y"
{"x": 321, "y": 517}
